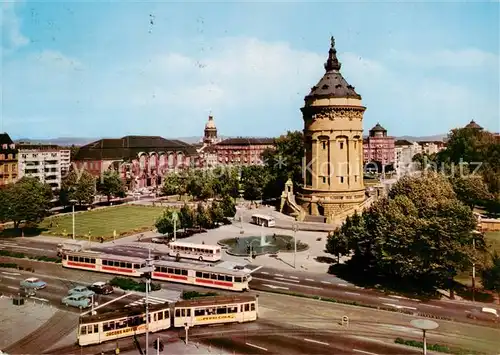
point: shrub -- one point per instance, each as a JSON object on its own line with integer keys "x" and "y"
{"x": 189, "y": 295}
{"x": 8, "y": 265}
{"x": 131, "y": 285}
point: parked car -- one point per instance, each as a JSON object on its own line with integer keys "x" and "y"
{"x": 77, "y": 300}
{"x": 81, "y": 290}
{"x": 33, "y": 283}
{"x": 102, "y": 288}
{"x": 160, "y": 240}
{"x": 485, "y": 313}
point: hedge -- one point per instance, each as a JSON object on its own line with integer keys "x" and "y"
{"x": 436, "y": 347}
{"x": 131, "y": 285}
{"x": 189, "y": 295}
{"x": 18, "y": 255}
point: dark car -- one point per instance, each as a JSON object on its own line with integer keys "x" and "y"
{"x": 102, "y": 288}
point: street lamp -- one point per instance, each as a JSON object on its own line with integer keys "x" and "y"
{"x": 73, "y": 202}
{"x": 295, "y": 227}
{"x": 251, "y": 248}
{"x": 175, "y": 216}
{"x": 474, "y": 233}
{"x": 424, "y": 325}
{"x": 147, "y": 272}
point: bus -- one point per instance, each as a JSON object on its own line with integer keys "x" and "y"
{"x": 201, "y": 252}
{"x": 193, "y": 274}
{"x": 263, "y": 220}
{"x": 96, "y": 329}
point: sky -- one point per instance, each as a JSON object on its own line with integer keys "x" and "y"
{"x": 109, "y": 69}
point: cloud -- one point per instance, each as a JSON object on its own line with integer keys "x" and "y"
{"x": 12, "y": 38}
{"x": 458, "y": 59}
{"x": 247, "y": 83}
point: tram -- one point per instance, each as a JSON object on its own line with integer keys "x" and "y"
{"x": 96, "y": 329}
{"x": 192, "y": 274}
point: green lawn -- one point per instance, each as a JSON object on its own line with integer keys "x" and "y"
{"x": 125, "y": 220}
{"x": 493, "y": 239}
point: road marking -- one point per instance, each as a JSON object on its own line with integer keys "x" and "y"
{"x": 264, "y": 272}
{"x": 276, "y": 287}
{"x": 10, "y": 277}
{"x": 358, "y": 287}
{"x": 309, "y": 280}
{"x": 11, "y": 273}
{"x": 364, "y": 352}
{"x": 316, "y": 341}
{"x": 278, "y": 275}
{"x": 326, "y": 282}
{"x": 12, "y": 287}
{"x": 431, "y": 305}
{"x": 388, "y": 299}
{"x": 352, "y": 293}
{"x": 260, "y": 267}
{"x": 404, "y": 298}
{"x": 398, "y": 306}
{"x": 282, "y": 279}
{"x": 40, "y": 299}
{"x": 293, "y": 277}
{"x": 289, "y": 284}
{"x": 256, "y": 346}
{"x": 343, "y": 285}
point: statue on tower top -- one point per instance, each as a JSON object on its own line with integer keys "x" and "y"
{"x": 332, "y": 42}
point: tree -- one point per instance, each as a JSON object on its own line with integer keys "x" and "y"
{"x": 224, "y": 181}
{"x": 27, "y": 200}
{"x": 284, "y": 162}
{"x": 186, "y": 216}
{"x": 470, "y": 189}
{"x": 216, "y": 214}
{"x": 202, "y": 218}
{"x": 420, "y": 235}
{"x": 174, "y": 184}
{"x": 254, "y": 179}
{"x": 337, "y": 244}
{"x": 80, "y": 188}
{"x": 199, "y": 185}
{"x": 111, "y": 185}
{"x": 491, "y": 275}
{"x": 165, "y": 223}
{"x": 228, "y": 207}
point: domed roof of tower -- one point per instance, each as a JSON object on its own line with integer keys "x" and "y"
{"x": 378, "y": 128}
{"x": 333, "y": 84}
{"x": 474, "y": 125}
{"x": 210, "y": 124}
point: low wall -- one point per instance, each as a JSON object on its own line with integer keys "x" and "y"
{"x": 489, "y": 225}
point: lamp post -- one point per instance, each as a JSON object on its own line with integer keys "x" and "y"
{"x": 474, "y": 265}
{"x": 147, "y": 271}
{"x": 424, "y": 325}
{"x": 73, "y": 202}
{"x": 294, "y": 227}
{"x": 175, "y": 216}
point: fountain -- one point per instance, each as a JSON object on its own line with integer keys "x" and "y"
{"x": 258, "y": 245}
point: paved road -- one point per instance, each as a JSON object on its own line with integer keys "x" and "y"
{"x": 299, "y": 282}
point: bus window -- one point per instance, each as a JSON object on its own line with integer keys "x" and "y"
{"x": 83, "y": 330}
{"x": 252, "y": 306}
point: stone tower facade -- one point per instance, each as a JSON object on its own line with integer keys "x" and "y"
{"x": 210, "y": 133}
{"x": 333, "y": 133}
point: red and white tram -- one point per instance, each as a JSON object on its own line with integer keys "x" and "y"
{"x": 200, "y": 275}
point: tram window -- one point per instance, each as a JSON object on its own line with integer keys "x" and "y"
{"x": 177, "y": 312}
{"x": 233, "y": 309}
{"x": 83, "y": 330}
{"x": 252, "y": 306}
{"x": 129, "y": 266}
{"x": 96, "y": 328}
{"x": 87, "y": 260}
{"x": 106, "y": 327}
{"x": 222, "y": 310}
{"x": 170, "y": 270}
{"x": 214, "y": 276}
{"x": 189, "y": 312}
{"x": 105, "y": 262}
{"x": 92, "y": 261}
{"x": 116, "y": 263}
{"x": 199, "y": 312}
{"x": 136, "y": 266}
{"x": 237, "y": 279}
{"x": 184, "y": 272}
{"x": 167, "y": 314}
{"x": 89, "y": 329}
{"x": 177, "y": 271}
{"x": 70, "y": 258}
{"x": 229, "y": 278}
{"x": 183, "y": 312}
{"x": 123, "y": 264}
{"x": 221, "y": 277}
{"x": 160, "y": 315}
{"x": 247, "y": 307}
{"x": 199, "y": 274}
{"x": 154, "y": 317}
{"x": 206, "y": 275}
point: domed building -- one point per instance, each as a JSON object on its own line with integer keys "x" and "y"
{"x": 333, "y": 133}
{"x": 210, "y": 133}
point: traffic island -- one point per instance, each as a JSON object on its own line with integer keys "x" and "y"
{"x": 260, "y": 245}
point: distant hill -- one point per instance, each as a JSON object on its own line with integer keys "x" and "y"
{"x": 78, "y": 141}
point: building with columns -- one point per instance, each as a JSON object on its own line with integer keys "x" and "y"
{"x": 141, "y": 161}
{"x": 378, "y": 147}
{"x": 333, "y": 133}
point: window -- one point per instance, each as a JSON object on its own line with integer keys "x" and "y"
{"x": 222, "y": 310}
{"x": 184, "y": 272}
{"x": 96, "y": 328}
{"x": 183, "y": 312}
{"x": 238, "y": 279}
{"x": 199, "y": 312}
{"x": 355, "y": 179}
{"x": 206, "y": 275}
{"x": 229, "y": 278}
{"x": 341, "y": 145}
{"x": 189, "y": 312}
{"x": 214, "y": 277}
{"x": 341, "y": 179}
{"x": 199, "y": 274}
{"x": 324, "y": 180}
{"x": 247, "y": 307}
{"x": 324, "y": 144}
{"x": 354, "y": 145}
{"x": 252, "y": 306}
{"x": 177, "y": 312}
{"x": 83, "y": 330}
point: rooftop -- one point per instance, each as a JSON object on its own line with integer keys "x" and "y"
{"x": 245, "y": 141}
{"x": 472, "y": 124}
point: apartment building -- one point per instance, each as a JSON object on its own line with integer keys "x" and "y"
{"x": 65, "y": 161}
{"x": 8, "y": 160}
{"x": 44, "y": 162}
